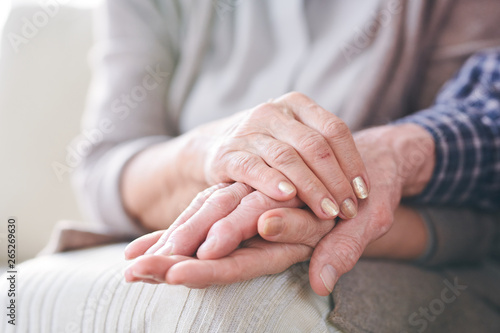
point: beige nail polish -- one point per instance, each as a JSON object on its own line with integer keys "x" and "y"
{"x": 329, "y": 207}
{"x": 348, "y": 208}
{"x": 360, "y": 188}
{"x": 286, "y": 187}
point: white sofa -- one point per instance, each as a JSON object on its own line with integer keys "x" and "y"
{"x": 44, "y": 76}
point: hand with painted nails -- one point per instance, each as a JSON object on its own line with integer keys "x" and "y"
{"x": 257, "y": 256}
{"x": 232, "y": 251}
{"x": 229, "y": 214}
{"x": 397, "y": 168}
{"x": 288, "y": 235}
{"x": 291, "y": 146}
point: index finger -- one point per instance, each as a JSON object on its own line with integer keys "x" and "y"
{"x": 191, "y": 210}
{"x": 241, "y": 224}
{"x": 188, "y": 236}
{"x": 339, "y": 137}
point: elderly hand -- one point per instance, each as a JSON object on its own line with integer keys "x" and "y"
{"x": 254, "y": 258}
{"x": 400, "y": 160}
{"x": 399, "y": 167}
{"x": 219, "y": 219}
{"x": 229, "y": 212}
{"x": 286, "y": 147}
{"x": 294, "y": 233}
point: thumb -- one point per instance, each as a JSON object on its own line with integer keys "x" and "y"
{"x": 335, "y": 255}
{"x": 341, "y": 248}
{"x": 338, "y": 252}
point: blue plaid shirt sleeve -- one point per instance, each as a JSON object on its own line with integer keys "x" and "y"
{"x": 465, "y": 124}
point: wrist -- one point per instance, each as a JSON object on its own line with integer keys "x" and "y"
{"x": 157, "y": 184}
{"x": 404, "y": 153}
{"x": 414, "y": 151}
{"x": 190, "y": 157}
{"x": 198, "y": 147}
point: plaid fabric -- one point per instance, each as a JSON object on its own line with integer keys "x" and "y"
{"x": 465, "y": 124}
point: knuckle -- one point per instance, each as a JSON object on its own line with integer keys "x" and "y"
{"x": 240, "y": 190}
{"x": 220, "y": 161}
{"x": 205, "y": 194}
{"x": 296, "y": 95}
{"x": 335, "y": 128}
{"x": 227, "y": 227}
{"x": 282, "y": 154}
{"x": 237, "y": 230}
{"x": 196, "y": 203}
{"x": 256, "y": 200}
{"x": 309, "y": 186}
{"x": 316, "y": 144}
{"x": 217, "y": 177}
{"x": 382, "y": 220}
{"x": 316, "y": 109}
{"x": 262, "y": 110}
{"x": 312, "y": 142}
{"x": 348, "y": 250}
{"x": 223, "y": 199}
{"x": 222, "y": 151}
{"x": 243, "y": 164}
{"x": 340, "y": 187}
{"x": 183, "y": 229}
{"x": 199, "y": 199}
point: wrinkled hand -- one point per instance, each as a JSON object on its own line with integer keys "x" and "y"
{"x": 396, "y": 166}
{"x": 288, "y": 147}
{"x": 229, "y": 213}
{"x": 218, "y": 219}
{"x": 254, "y": 258}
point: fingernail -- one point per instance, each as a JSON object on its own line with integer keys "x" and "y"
{"x": 360, "y": 188}
{"x": 348, "y": 208}
{"x": 273, "y": 226}
{"x": 329, "y": 276}
{"x": 167, "y": 249}
{"x": 329, "y": 207}
{"x": 209, "y": 244}
{"x": 146, "y": 277}
{"x": 142, "y": 276}
{"x": 286, "y": 188}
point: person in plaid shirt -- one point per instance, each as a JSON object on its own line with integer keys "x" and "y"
{"x": 465, "y": 125}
